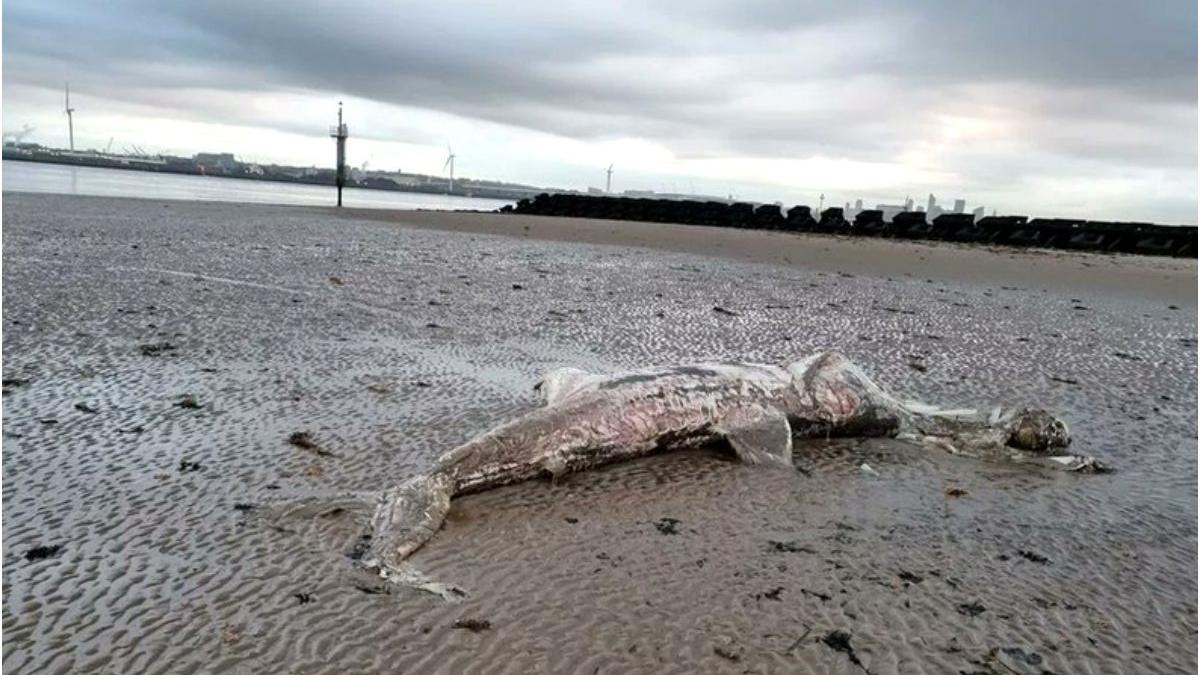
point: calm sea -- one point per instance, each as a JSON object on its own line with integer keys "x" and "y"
{"x": 84, "y": 180}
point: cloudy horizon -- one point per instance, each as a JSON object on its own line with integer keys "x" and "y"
{"x": 1073, "y": 108}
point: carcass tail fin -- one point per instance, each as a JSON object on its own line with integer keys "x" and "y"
{"x": 405, "y": 518}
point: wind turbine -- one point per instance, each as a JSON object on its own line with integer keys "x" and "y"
{"x": 70, "y": 119}
{"x": 608, "y": 180}
{"x": 449, "y": 163}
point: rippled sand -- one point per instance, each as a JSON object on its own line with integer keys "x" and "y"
{"x": 389, "y": 345}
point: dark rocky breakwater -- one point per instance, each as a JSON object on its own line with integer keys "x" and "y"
{"x": 1017, "y": 231}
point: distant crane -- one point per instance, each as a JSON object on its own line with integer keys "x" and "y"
{"x": 608, "y": 180}
{"x": 70, "y": 119}
{"x": 449, "y": 163}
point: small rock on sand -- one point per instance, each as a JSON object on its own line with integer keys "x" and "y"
{"x": 157, "y": 349}
{"x": 42, "y": 552}
{"x": 473, "y": 625}
{"x": 1033, "y": 556}
{"x": 668, "y": 525}
{"x": 188, "y": 402}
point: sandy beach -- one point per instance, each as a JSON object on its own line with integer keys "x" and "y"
{"x": 1126, "y": 276}
{"x": 157, "y": 355}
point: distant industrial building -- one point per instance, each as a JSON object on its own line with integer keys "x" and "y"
{"x": 225, "y": 161}
{"x": 890, "y": 210}
{"x": 931, "y": 208}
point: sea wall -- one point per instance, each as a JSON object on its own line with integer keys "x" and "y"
{"x": 1055, "y": 233}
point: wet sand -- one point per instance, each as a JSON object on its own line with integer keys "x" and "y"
{"x": 390, "y": 344}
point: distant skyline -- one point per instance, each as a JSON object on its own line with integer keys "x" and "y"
{"x": 1073, "y": 108}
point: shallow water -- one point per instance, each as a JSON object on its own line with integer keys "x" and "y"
{"x": 97, "y": 181}
{"x": 391, "y": 345}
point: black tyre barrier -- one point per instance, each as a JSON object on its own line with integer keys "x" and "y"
{"x": 768, "y": 217}
{"x": 1057, "y": 233}
{"x": 833, "y": 221}
{"x": 997, "y": 229}
{"x": 870, "y": 223}
{"x": 799, "y": 219}
{"x": 958, "y": 227}
{"x": 908, "y": 224}
{"x": 911, "y": 225}
{"x": 741, "y": 215}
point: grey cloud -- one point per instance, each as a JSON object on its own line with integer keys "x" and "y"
{"x": 706, "y": 78}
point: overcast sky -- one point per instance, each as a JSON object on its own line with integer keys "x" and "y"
{"x": 1042, "y": 107}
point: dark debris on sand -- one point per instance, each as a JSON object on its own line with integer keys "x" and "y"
{"x": 823, "y": 597}
{"x": 473, "y": 625}
{"x": 772, "y": 594}
{"x": 973, "y": 608}
{"x": 302, "y": 439}
{"x": 157, "y": 349}
{"x": 668, "y": 525}
{"x": 188, "y": 402}
{"x": 1033, "y": 556}
{"x": 789, "y": 547}
{"x": 305, "y": 441}
{"x": 1019, "y": 661}
{"x": 839, "y": 641}
{"x": 727, "y": 654}
{"x": 43, "y": 552}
